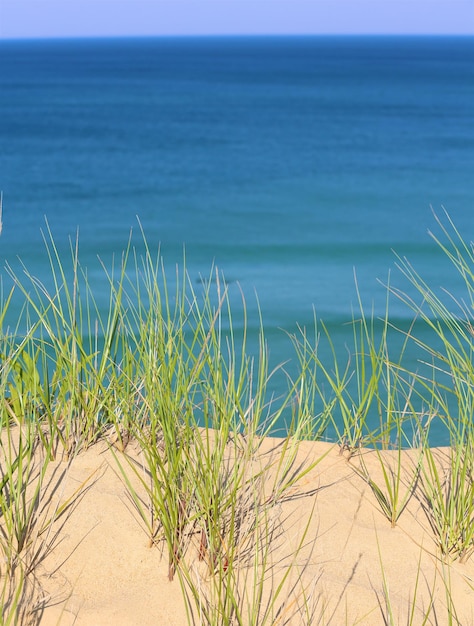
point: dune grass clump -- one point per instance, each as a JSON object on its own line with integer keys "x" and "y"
{"x": 72, "y": 348}
{"x": 27, "y": 507}
{"x": 202, "y": 412}
{"x": 449, "y": 393}
{"x": 375, "y": 400}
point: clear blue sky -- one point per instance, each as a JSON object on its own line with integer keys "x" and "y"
{"x": 64, "y": 18}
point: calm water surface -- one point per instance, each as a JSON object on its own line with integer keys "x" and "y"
{"x": 287, "y": 162}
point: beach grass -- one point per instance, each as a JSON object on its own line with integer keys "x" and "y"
{"x": 166, "y": 368}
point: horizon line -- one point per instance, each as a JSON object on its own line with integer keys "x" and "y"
{"x": 232, "y": 35}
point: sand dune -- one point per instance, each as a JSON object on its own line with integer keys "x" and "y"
{"x": 101, "y": 571}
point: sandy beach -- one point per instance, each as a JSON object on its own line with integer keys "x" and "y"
{"x": 352, "y": 567}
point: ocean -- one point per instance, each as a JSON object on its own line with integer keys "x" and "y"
{"x": 290, "y": 163}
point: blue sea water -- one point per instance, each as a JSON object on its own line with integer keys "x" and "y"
{"x": 289, "y": 162}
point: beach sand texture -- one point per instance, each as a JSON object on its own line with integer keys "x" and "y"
{"x": 100, "y": 570}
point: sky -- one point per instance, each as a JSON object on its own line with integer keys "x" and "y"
{"x": 78, "y": 18}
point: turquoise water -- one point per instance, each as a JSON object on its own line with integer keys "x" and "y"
{"x": 288, "y": 162}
